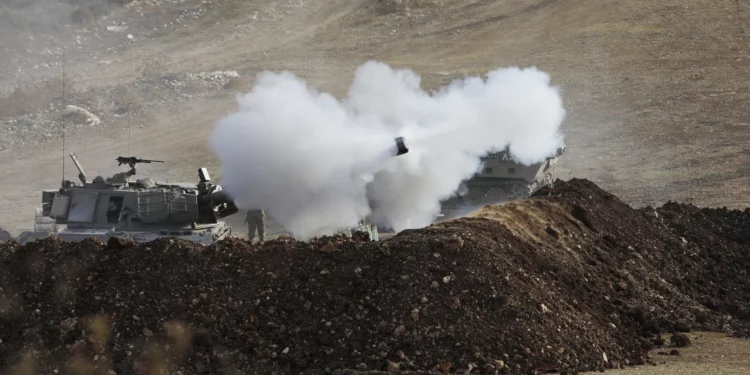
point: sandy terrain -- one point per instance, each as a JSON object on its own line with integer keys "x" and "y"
{"x": 711, "y": 354}
{"x": 655, "y": 92}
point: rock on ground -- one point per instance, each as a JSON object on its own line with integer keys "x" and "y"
{"x": 80, "y": 115}
{"x": 5, "y": 235}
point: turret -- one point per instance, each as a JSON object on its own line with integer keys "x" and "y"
{"x": 137, "y": 205}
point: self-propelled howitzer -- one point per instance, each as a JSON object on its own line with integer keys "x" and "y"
{"x": 139, "y": 209}
{"x": 502, "y": 179}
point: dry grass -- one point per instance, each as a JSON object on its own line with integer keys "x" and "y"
{"x": 648, "y": 86}
{"x": 32, "y": 97}
{"x": 711, "y": 354}
{"x": 172, "y": 343}
{"x": 40, "y": 15}
{"x": 88, "y": 11}
{"x": 82, "y": 16}
{"x": 239, "y": 84}
{"x": 392, "y": 6}
{"x": 35, "y": 97}
{"x": 125, "y": 101}
{"x": 26, "y": 366}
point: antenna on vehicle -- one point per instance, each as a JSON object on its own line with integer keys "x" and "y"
{"x": 130, "y": 105}
{"x": 63, "y": 122}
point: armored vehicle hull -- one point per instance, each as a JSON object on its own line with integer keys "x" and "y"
{"x": 501, "y": 179}
{"x": 205, "y": 236}
{"x": 141, "y": 210}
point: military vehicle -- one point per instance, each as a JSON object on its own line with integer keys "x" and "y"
{"x": 144, "y": 210}
{"x": 141, "y": 210}
{"x": 502, "y": 179}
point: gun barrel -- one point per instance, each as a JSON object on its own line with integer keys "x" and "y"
{"x": 132, "y": 161}
{"x": 81, "y": 173}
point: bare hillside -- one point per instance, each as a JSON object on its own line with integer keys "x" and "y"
{"x": 654, "y": 91}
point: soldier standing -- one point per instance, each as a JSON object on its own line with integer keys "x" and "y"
{"x": 255, "y": 220}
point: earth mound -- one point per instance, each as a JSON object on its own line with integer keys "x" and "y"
{"x": 570, "y": 280}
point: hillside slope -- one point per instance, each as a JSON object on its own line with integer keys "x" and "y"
{"x": 654, "y": 92}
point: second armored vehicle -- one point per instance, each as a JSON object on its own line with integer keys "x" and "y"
{"x": 142, "y": 210}
{"x": 503, "y": 179}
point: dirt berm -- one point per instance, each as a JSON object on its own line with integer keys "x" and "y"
{"x": 570, "y": 280}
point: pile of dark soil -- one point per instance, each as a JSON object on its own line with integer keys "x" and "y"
{"x": 720, "y": 255}
{"x": 570, "y": 280}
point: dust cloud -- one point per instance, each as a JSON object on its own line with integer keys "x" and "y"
{"x": 317, "y": 164}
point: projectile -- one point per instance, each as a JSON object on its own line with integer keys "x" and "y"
{"x": 400, "y": 146}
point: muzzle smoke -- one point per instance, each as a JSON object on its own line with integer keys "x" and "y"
{"x": 316, "y": 164}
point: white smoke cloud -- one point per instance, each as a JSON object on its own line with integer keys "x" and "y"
{"x": 317, "y": 164}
